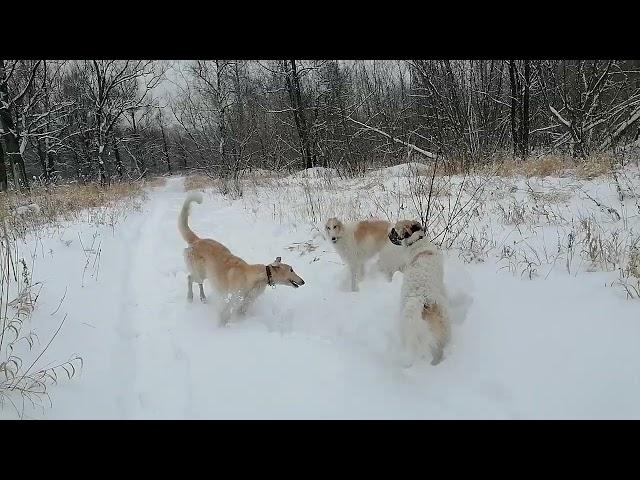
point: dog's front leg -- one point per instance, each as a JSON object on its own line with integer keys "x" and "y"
{"x": 227, "y": 310}
{"x": 203, "y": 299}
{"x": 225, "y": 315}
{"x": 437, "y": 354}
{"x": 355, "y": 270}
{"x": 233, "y": 305}
{"x": 354, "y": 280}
{"x": 249, "y": 298}
{"x": 244, "y": 303}
{"x": 190, "y": 288}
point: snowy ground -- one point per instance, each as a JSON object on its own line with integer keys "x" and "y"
{"x": 545, "y": 340}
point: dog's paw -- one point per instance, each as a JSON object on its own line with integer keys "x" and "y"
{"x": 406, "y": 364}
{"x": 224, "y": 319}
{"x": 437, "y": 358}
{"x": 405, "y": 360}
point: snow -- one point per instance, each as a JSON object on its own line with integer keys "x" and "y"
{"x": 562, "y": 345}
{"x": 405, "y": 169}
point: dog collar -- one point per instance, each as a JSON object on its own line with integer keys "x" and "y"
{"x": 269, "y": 278}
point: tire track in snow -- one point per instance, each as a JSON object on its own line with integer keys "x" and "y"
{"x": 149, "y": 320}
{"x": 123, "y": 362}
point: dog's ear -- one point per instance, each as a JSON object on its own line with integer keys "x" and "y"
{"x": 411, "y": 229}
{"x": 277, "y": 262}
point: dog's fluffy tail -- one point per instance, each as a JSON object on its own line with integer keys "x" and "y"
{"x": 183, "y": 219}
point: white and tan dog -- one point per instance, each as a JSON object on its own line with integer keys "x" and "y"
{"x": 425, "y": 321}
{"x": 357, "y": 242}
{"x": 230, "y": 275}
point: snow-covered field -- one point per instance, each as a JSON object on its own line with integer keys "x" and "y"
{"x": 541, "y": 327}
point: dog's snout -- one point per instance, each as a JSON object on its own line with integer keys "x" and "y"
{"x": 301, "y": 282}
{"x": 333, "y": 239}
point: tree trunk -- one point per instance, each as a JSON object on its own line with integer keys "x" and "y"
{"x": 78, "y": 169}
{"x": 102, "y": 174}
{"x": 295, "y": 97}
{"x": 3, "y": 171}
{"x": 101, "y": 168}
{"x": 50, "y": 162}
{"x": 222, "y": 131}
{"x": 525, "y": 112}
{"x": 514, "y": 106}
{"x": 43, "y": 160}
{"x": 116, "y": 152}
{"x": 11, "y": 141}
{"x": 15, "y": 158}
{"x": 165, "y": 148}
{"x": 46, "y": 157}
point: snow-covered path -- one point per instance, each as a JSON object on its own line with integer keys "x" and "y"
{"x": 521, "y": 349}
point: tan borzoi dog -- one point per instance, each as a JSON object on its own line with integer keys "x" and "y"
{"x": 230, "y": 275}
{"x": 425, "y": 322}
{"x": 359, "y": 241}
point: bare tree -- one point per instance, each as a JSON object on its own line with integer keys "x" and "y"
{"x": 592, "y": 102}
{"x": 520, "y": 79}
{"x": 8, "y": 113}
{"x": 114, "y": 88}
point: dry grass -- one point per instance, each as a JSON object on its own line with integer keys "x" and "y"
{"x": 505, "y": 165}
{"x": 546, "y": 166}
{"x": 198, "y": 182}
{"x": 47, "y": 205}
{"x": 22, "y": 382}
{"x": 235, "y": 186}
{"x": 630, "y": 274}
{"x": 501, "y": 165}
{"x": 539, "y": 224}
{"x": 595, "y": 166}
{"x": 542, "y": 166}
{"x": 259, "y": 173}
{"x": 155, "y": 182}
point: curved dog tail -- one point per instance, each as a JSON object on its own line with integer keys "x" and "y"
{"x": 183, "y": 219}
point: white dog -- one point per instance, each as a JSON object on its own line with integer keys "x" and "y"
{"x": 357, "y": 242}
{"x": 425, "y": 321}
{"x": 391, "y": 259}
